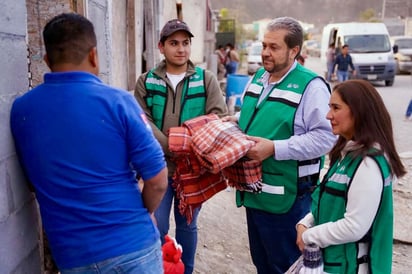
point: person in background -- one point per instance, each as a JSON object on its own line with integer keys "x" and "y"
{"x": 221, "y": 62}
{"x": 290, "y": 145}
{"x": 232, "y": 59}
{"x": 408, "y": 112}
{"x": 81, "y": 143}
{"x": 330, "y": 61}
{"x": 355, "y": 232}
{"x": 171, "y": 93}
{"x": 343, "y": 61}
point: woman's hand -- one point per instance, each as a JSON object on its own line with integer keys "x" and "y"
{"x": 299, "y": 241}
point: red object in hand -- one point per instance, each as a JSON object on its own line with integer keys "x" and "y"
{"x": 172, "y": 254}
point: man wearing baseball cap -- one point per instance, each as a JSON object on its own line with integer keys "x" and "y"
{"x": 171, "y": 93}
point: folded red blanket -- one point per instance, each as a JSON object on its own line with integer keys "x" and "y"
{"x": 219, "y": 145}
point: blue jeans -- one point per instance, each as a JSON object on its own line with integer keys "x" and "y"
{"x": 329, "y": 73}
{"x": 272, "y": 237}
{"x": 409, "y": 109}
{"x": 231, "y": 67}
{"x": 146, "y": 261}
{"x": 186, "y": 234}
{"x": 342, "y": 75}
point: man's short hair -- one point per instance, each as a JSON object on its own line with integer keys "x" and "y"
{"x": 68, "y": 38}
{"x": 294, "y": 36}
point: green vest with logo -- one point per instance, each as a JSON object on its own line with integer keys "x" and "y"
{"x": 329, "y": 205}
{"x": 273, "y": 119}
{"x": 192, "y": 102}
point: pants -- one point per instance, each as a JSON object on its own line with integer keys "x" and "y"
{"x": 342, "y": 75}
{"x": 272, "y": 237}
{"x": 329, "y": 73}
{"x": 409, "y": 109}
{"x": 146, "y": 261}
{"x": 231, "y": 67}
{"x": 186, "y": 234}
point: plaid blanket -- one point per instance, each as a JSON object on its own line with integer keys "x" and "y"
{"x": 245, "y": 175}
{"x": 194, "y": 124}
{"x": 193, "y": 183}
{"x": 180, "y": 140}
{"x": 220, "y": 144}
{"x": 209, "y": 154}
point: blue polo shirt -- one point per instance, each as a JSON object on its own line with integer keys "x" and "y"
{"x": 80, "y": 143}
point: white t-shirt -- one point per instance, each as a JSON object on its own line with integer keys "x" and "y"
{"x": 175, "y": 79}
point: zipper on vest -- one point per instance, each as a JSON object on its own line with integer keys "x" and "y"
{"x": 258, "y": 104}
{"x": 184, "y": 97}
{"x": 174, "y": 102}
{"x": 251, "y": 119}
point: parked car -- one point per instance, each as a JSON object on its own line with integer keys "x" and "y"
{"x": 254, "y": 57}
{"x": 311, "y": 48}
{"x": 402, "y": 49}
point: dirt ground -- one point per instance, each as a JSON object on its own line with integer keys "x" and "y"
{"x": 223, "y": 244}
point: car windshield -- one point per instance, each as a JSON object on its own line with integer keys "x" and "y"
{"x": 404, "y": 43}
{"x": 368, "y": 43}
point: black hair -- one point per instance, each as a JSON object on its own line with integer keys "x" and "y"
{"x": 68, "y": 38}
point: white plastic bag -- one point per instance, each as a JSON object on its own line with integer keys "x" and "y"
{"x": 310, "y": 262}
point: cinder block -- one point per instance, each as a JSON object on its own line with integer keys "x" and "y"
{"x": 19, "y": 238}
{"x": 14, "y": 81}
{"x": 13, "y": 17}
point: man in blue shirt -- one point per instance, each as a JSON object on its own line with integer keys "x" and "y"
{"x": 343, "y": 60}
{"x": 81, "y": 144}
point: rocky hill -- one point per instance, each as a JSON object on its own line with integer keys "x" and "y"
{"x": 317, "y": 12}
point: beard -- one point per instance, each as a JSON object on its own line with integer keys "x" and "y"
{"x": 278, "y": 65}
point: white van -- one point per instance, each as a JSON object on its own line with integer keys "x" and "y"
{"x": 254, "y": 57}
{"x": 369, "y": 46}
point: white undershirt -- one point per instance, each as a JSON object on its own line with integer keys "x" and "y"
{"x": 175, "y": 79}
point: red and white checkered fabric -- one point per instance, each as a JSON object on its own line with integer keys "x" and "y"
{"x": 219, "y": 145}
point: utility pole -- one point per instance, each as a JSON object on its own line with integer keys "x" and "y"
{"x": 383, "y": 8}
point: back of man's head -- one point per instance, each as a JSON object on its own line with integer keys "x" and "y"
{"x": 68, "y": 38}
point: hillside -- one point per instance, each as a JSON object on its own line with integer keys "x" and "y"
{"x": 317, "y": 12}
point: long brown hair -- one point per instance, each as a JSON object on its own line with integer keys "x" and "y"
{"x": 372, "y": 123}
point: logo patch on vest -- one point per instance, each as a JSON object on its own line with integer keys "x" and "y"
{"x": 145, "y": 121}
{"x": 195, "y": 76}
{"x": 291, "y": 85}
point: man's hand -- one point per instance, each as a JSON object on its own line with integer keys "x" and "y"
{"x": 262, "y": 149}
{"x": 229, "y": 119}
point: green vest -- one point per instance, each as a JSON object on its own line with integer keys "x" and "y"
{"x": 192, "y": 102}
{"x": 273, "y": 119}
{"x": 329, "y": 205}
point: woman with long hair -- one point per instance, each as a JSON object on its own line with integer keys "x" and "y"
{"x": 352, "y": 213}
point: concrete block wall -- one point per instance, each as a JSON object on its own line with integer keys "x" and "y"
{"x": 38, "y": 14}
{"x": 99, "y": 12}
{"x": 19, "y": 245}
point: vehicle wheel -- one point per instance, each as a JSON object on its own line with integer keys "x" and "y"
{"x": 389, "y": 83}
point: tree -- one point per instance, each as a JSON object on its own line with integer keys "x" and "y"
{"x": 368, "y": 15}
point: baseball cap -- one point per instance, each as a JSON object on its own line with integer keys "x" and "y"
{"x": 172, "y": 26}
